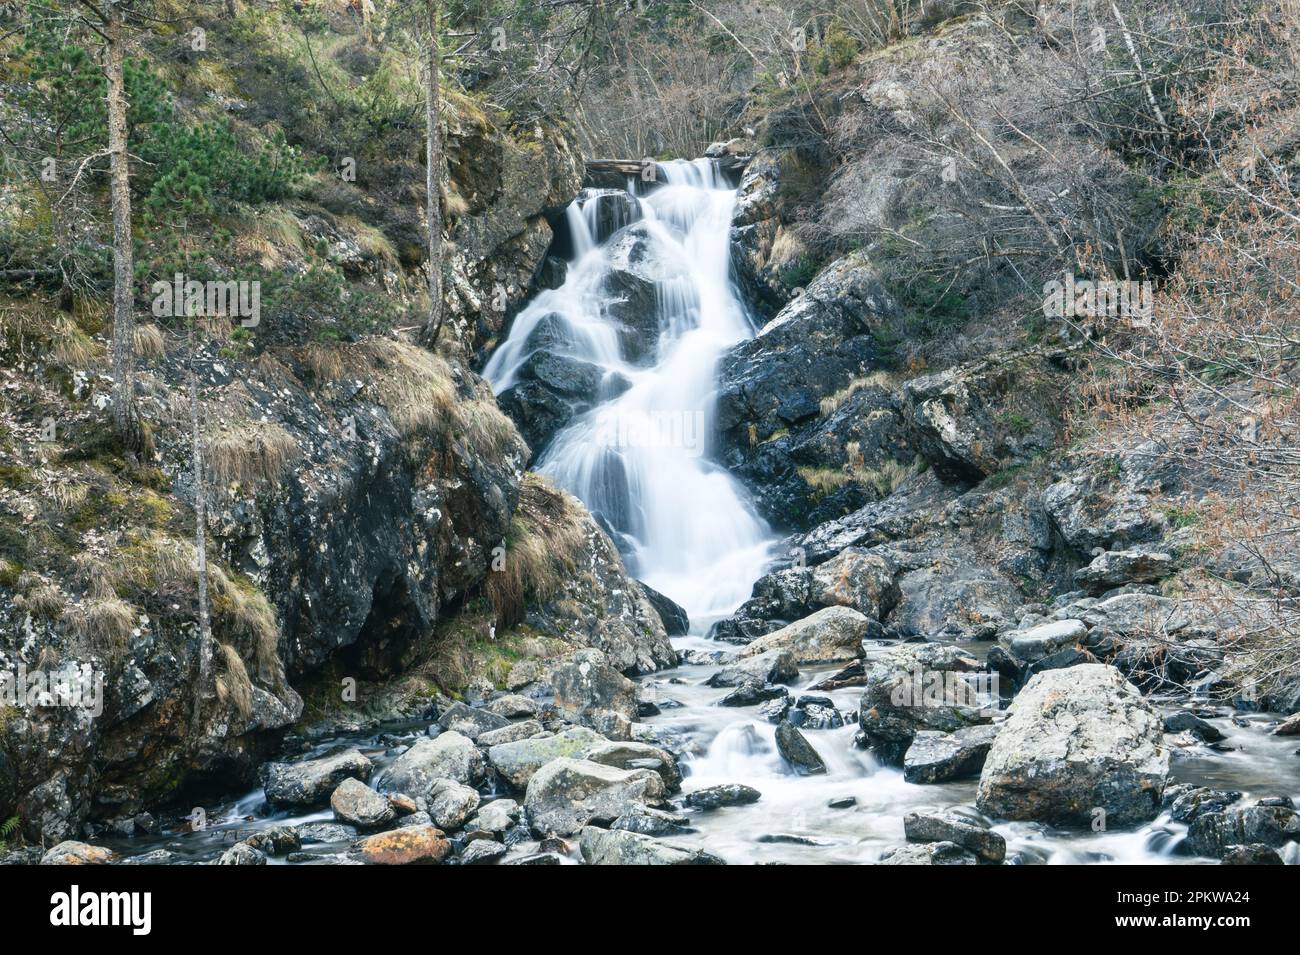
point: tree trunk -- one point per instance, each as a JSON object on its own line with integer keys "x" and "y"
{"x": 126, "y": 418}
{"x": 433, "y": 177}
{"x": 206, "y": 685}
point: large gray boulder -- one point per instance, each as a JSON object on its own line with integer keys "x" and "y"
{"x": 832, "y": 635}
{"x": 590, "y": 691}
{"x": 620, "y": 847}
{"x": 312, "y": 781}
{"x": 1077, "y": 741}
{"x": 356, "y": 804}
{"x": 970, "y": 832}
{"x": 936, "y": 757}
{"x": 567, "y": 794}
{"x": 517, "y": 761}
{"x": 447, "y": 756}
{"x": 770, "y": 666}
{"x": 919, "y": 687}
{"x": 632, "y": 755}
{"x": 451, "y": 803}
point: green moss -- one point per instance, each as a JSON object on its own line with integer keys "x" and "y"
{"x": 15, "y": 476}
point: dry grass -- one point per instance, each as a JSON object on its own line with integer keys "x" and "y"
{"x": 70, "y": 346}
{"x": 325, "y": 362}
{"x": 485, "y": 428}
{"x": 68, "y": 495}
{"x": 415, "y": 385}
{"x": 103, "y": 622}
{"x": 274, "y": 238}
{"x": 43, "y": 601}
{"x": 149, "y": 342}
{"x": 372, "y": 241}
{"x": 241, "y": 612}
{"x": 878, "y": 379}
{"x": 233, "y": 684}
{"x": 886, "y": 479}
{"x": 787, "y": 247}
{"x": 250, "y": 453}
{"x": 547, "y": 538}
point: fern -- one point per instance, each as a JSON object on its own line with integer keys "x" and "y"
{"x": 8, "y": 828}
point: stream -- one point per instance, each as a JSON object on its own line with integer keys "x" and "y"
{"x": 689, "y": 530}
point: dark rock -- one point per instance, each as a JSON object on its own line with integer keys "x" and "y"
{"x": 1252, "y": 855}
{"x": 967, "y": 831}
{"x": 1184, "y": 721}
{"x": 311, "y": 782}
{"x": 1119, "y": 568}
{"x": 622, "y": 847}
{"x": 1213, "y": 833}
{"x": 936, "y": 757}
{"x": 726, "y": 794}
{"x": 676, "y": 621}
{"x": 798, "y": 752}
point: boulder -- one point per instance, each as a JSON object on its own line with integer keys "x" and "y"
{"x": 517, "y": 762}
{"x": 797, "y": 751}
{"x": 620, "y": 847}
{"x": 771, "y": 666}
{"x": 651, "y": 822}
{"x": 356, "y": 804}
{"x": 447, "y": 756}
{"x": 1185, "y": 722}
{"x": 1029, "y": 646}
{"x": 451, "y": 803}
{"x": 970, "y": 832}
{"x": 497, "y": 816}
{"x": 921, "y": 687}
{"x": 567, "y": 794}
{"x": 629, "y": 755}
{"x": 511, "y": 706}
{"x": 1252, "y": 855}
{"x": 71, "y": 852}
{"x": 509, "y": 734}
{"x": 1118, "y": 568}
{"x": 277, "y": 841}
{"x": 411, "y": 845}
{"x": 832, "y": 635}
{"x": 312, "y": 781}
{"x": 471, "y": 722}
{"x": 587, "y": 688}
{"x": 936, "y": 757}
{"x": 241, "y": 853}
{"x": 483, "y": 852}
{"x": 1077, "y": 741}
{"x": 726, "y": 794}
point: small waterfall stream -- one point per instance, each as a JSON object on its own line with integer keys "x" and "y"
{"x": 640, "y": 459}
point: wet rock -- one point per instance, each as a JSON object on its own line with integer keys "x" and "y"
{"x": 1193, "y": 801}
{"x": 752, "y": 694}
{"x": 773, "y": 666}
{"x": 483, "y": 852}
{"x": 651, "y": 822}
{"x": 312, "y": 781}
{"x": 567, "y": 794}
{"x": 1252, "y": 855}
{"x": 411, "y": 845}
{"x": 815, "y": 713}
{"x": 469, "y": 721}
{"x": 854, "y": 579}
{"x": 1213, "y": 833}
{"x": 325, "y": 832}
{"x": 726, "y": 794}
{"x": 1288, "y": 727}
{"x": 276, "y": 841}
{"x": 842, "y": 802}
{"x": 587, "y": 688}
{"x": 71, "y": 852}
{"x": 934, "y": 853}
{"x": 536, "y": 858}
{"x": 447, "y": 756}
{"x": 451, "y": 803}
{"x": 517, "y": 762}
{"x": 415, "y": 819}
{"x": 936, "y": 757}
{"x": 402, "y": 804}
{"x": 832, "y": 635}
{"x": 631, "y": 755}
{"x": 509, "y": 734}
{"x": 855, "y": 674}
{"x": 242, "y": 854}
{"x": 621, "y": 847}
{"x": 356, "y": 804}
{"x": 676, "y": 621}
{"x": 919, "y": 687}
{"x": 1076, "y": 741}
{"x": 967, "y": 831}
{"x": 1184, "y": 721}
{"x": 798, "y": 752}
{"x": 1113, "y": 569}
{"x": 775, "y": 710}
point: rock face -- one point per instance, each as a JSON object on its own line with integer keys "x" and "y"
{"x": 978, "y": 419}
{"x": 310, "y": 782}
{"x": 920, "y": 687}
{"x": 614, "y": 847}
{"x": 447, "y": 756}
{"x": 567, "y": 794}
{"x": 1077, "y": 741}
{"x": 1119, "y": 568}
{"x": 1217, "y": 833}
{"x": 833, "y": 635}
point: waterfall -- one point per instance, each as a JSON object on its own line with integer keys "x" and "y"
{"x": 640, "y": 458}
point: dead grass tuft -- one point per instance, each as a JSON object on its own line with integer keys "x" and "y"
{"x": 149, "y": 342}
{"x": 233, "y": 683}
{"x": 250, "y": 453}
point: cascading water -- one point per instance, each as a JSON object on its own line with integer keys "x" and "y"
{"x": 640, "y": 458}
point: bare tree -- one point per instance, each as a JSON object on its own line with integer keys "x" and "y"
{"x": 433, "y": 174}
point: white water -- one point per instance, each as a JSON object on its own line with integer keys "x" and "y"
{"x": 641, "y": 459}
